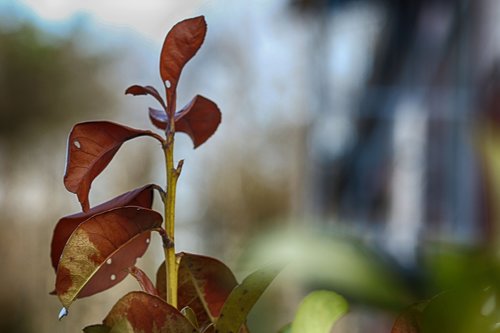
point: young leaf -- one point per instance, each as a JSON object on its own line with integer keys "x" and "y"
{"x": 318, "y": 312}
{"x": 144, "y": 281}
{"x": 241, "y": 300}
{"x": 180, "y": 45}
{"x": 204, "y": 285}
{"x": 101, "y": 249}
{"x": 142, "y": 197}
{"x": 91, "y": 147}
{"x": 158, "y": 118}
{"x": 141, "y": 312}
{"x": 146, "y": 90}
{"x": 199, "y": 119}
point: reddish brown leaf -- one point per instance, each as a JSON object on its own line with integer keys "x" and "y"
{"x": 142, "y": 197}
{"x": 101, "y": 249}
{"x": 180, "y": 45}
{"x": 204, "y": 285}
{"x": 199, "y": 119}
{"x": 91, "y": 147}
{"x": 146, "y": 90}
{"x": 409, "y": 321}
{"x": 144, "y": 281}
{"x": 159, "y": 118}
{"x": 141, "y": 312}
{"x": 161, "y": 283}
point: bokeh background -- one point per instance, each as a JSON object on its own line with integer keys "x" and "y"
{"x": 359, "y": 139}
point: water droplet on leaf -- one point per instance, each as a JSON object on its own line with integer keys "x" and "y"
{"x": 63, "y": 313}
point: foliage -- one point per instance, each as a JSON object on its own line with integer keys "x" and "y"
{"x": 95, "y": 249}
{"x": 318, "y": 312}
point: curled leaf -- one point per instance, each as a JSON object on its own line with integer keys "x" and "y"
{"x": 199, "y": 119}
{"x": 101, "y": 249}
{"x": 91, "y": 147}
{"x": 146, "y": 284}
{"x": 146, "y": 90}
{"x": 180, "y": 45}
{"x": 142, "y": 197}
{"x": 318, "y": 312}
{"x": 159, "y": 118}
{"x": 141, "y": 312}
{"x": 242, "y": 299}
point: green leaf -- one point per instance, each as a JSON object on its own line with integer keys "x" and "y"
{"x": 286, "y": 329}
{"x": 122, "y": 326}
{"x": 318, "y": 312}
{"x": 97, "y": 329}
{"x": 241, "y": 300}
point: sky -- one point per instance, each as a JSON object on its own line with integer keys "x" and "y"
{"x": 148, "y": 19}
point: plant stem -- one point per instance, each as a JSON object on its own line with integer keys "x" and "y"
{"x": 169, "y": 245}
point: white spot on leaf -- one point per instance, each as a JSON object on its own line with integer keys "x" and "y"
{"x": 77, "y": 144}
{"x": 168, "y": 84}
{"x": 112, "y": 277}
{"x": 109, "y": 261}
{"x": 147, "y": 240}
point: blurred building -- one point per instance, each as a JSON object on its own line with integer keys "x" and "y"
{"x": 408, "y": 165}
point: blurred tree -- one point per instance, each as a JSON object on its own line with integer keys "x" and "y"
{"x": 45, "y": 82}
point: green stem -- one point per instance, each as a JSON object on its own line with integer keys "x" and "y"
{"x": 169, "y": 204}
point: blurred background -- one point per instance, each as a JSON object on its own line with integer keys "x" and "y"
{"x": 359, "y": 140}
